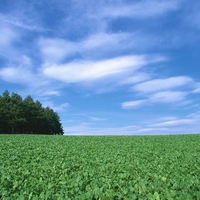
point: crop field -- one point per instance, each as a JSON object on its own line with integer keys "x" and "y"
{"x": 101, "y": 167}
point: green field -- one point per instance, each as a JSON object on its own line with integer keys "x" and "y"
{"x": 101, "y": 167}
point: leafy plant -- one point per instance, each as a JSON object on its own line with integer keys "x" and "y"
{"x": 107, "y": 167}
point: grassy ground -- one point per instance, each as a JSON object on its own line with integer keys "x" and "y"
{"x": 102, "y": 167}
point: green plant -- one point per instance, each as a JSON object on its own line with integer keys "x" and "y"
{"x": 104, "y": 167}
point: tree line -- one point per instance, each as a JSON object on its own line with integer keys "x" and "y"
{"x": 26, "y": 116}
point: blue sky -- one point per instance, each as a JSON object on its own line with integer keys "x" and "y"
{"x": 106, "y": 66}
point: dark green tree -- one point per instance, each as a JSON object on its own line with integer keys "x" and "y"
{"x": 30, "y": 112}
{"x": 27, "y": 116}
{"x": 17, "y": 116}
{"x": 53, "y": 124}
{"x": 5, "y": 111}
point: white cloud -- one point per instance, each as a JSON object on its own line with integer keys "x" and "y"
{"x": 161, "y": 91}
{"x": 168, "y": 97}
{"x": 175, "y": 122}
{"x": 142, "y": 9}
{"x": 162, "y": 84}
{"x": 106, "y": 40}
{"x": 159, "y": 97}
{"x": 167, "y": 118}
{"x": 21, "y": 22}
{"x": 46, "y": 101}
{"x": 97, "y": 119}
{"x": 89, "y": 71}
{"x": 179, "y": 127}
{"x": 8, "y": 35}
{"x": 153, "y": 126}
{"x": 60, "y": 108}
{"x": 12, "y": 53}
{"x": 192, "y": 18}
{"x": 137, "y": 77}
{"x": 32, "y": 81}
{"x": 48, "y": 92}
{"x": 55, "y": 50}
{"x": 133, "y": 104}
{"x": 197, "y": 89}
{"x": 86, "y": 129}
{"x": 16, "y": 75}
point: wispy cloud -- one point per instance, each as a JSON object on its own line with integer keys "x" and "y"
{"x": 168, "y": 97}
{"x": 97, "y": 119}
{"x": 31, "y": 79}
{"x": 133, "y": 104}
{"x": 8, "y": 35}
{"x": 175, "y": 122}
{"x": 165, "y": 97}
{"x": 166, "y": 91}
{"x": 94, "y": 46}
{"x": 191, "y": 17}
{"x": 154, "y": 126}
{"x": 58, "y": 108}
{"x": 56, "y": 50}
{"x": 7, "y": 40}
{"x": 142, "y": 9}
{"x": 88, "y": 71}
{"x": 136, "y": 130}
{"x": 197, "y": 89}
{"x": 18, "y": 74}
{"x": 136, "y": 78}
{"x": 162, "y": 84}
{"x": 102, "y": 39}
{"x": 17, "y": 22}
